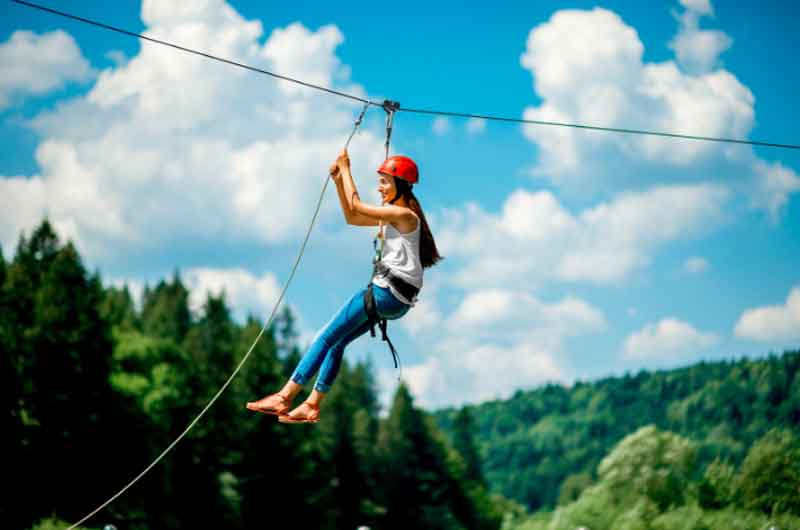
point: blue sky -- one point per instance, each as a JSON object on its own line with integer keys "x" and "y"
{"x": 570, "y": 254}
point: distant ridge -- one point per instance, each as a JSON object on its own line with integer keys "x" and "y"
{"x": 530, "y": 443}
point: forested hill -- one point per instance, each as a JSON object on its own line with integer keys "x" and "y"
{"x": 533, "y": 442}
{"x": 93, "y": 387}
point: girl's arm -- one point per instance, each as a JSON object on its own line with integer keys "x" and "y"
{"x": 386, "y": 213}
{"x": 350, "y": 217}
{"x": 337, "y": 179}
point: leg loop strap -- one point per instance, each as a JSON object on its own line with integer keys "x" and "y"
{"x": 374, "y": 318}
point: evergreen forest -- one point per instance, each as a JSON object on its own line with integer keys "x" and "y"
{"x": 95, "y": 387}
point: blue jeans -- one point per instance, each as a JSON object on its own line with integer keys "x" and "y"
{"x": 327, "y": 348}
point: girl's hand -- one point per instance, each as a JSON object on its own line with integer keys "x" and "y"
{"x": 343, "y": 161}
{"x": 334, "y": 173}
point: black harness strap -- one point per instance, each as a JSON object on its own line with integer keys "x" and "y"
{"x": 390, "y": 107}
{"x": 375, "y": 318}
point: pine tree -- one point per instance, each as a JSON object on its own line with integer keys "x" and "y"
{"x": 10, "y": 391}
{"x": 349, "y": 467}
{"x": 205, "y": 456}
{"x": 464, "y": 444}
{"x": 414, "y": 475}
{"x": 470, "y": 498}
{"x": 118, "y": 309}
{"x": 165, "y": 310}
{"x": 64, "y": 346}
{"x": 280, "y": 466}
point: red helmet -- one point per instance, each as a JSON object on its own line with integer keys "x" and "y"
{"x": 400, "y": 167}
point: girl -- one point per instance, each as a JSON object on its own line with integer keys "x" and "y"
{"x": 408, "y": 248}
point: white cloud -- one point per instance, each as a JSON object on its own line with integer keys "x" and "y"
{"x": 441, "y": 126}
{"x": 169, "y": 149}
{"x": 426, "y": 315}
{"x": 701, "y": 7}
{"x": 244, "y": 292}
{"x": 696, "y": 50}
{"x": 587, "y": 68}
{"x": 496, "y": 341}
{"x": 37, "y": 64}
{"x": 772, "y": 323}
{"x": 476, "y": 126}
{"x": 696, "y": 265}
{"x": 516, "y": 313}
{"x": 117, "y": 56}
{"x": 775, "y": 183}
{"x": 534, "y": 239}
{"x": 669, "y": 339}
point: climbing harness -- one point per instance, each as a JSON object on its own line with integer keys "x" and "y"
{"x": 381, "y": 271}
{"x": 403, "y": 287}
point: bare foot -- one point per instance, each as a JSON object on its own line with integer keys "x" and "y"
{"x": 275, "y": 404}
{"x": 303, "y": 413}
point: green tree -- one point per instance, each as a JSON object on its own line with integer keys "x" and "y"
{"x": 464, "y": 444}
{"x": 414, "y": 474}
{"x": 153, "y": 372}
{"x": 209, "y": 452}
{"x": 284, "y": 328}
{"x": 365, "y": 421}
{"x": 769, "y": 478}
{"x": 63, "y": 346}
{"x": 343, "y": 443}
{"x": 597, "y": 508}
{"x": 118, "y": 309}
{"x": 572, "y": 487}
{"x": 150, "y": 376}
{"x": 650, "y": 463}
{"x": 10, "y": 392}
{"x": 279, "y": 466}
{"x": 52, "y": 523}
{"x": 165, "y": 310}
{"x": 715, "y": 489}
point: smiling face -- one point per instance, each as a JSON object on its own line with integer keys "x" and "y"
{"x": 386, "y": 187}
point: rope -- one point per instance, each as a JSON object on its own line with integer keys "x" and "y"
{"x": 358, "y": 124}
{"x": 246, "y": 356}
{"x": 416, "y": 111}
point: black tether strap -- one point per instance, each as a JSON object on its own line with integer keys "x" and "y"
{"x": 390, "y": 107}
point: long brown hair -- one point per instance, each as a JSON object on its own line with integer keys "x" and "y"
{"x": 429, "y": 254}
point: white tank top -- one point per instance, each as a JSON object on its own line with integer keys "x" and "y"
{"x": 401, "y": 255}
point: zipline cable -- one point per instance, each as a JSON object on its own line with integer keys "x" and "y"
{"x": 246, "y": 355}
{"x": 595, "y": 128}
{"x": 190, "y": 50}
{"x": 410, "y": 110}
